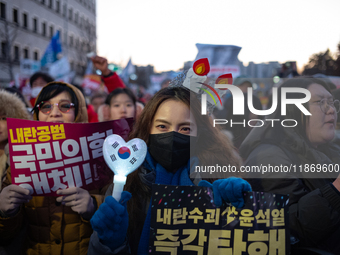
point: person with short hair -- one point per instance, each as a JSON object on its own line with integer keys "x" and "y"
{"x": 37, "y": 81}
{"x": 122, "y": 104}
{"x": 56, "y": 225}
{"x": 97, "y": 99}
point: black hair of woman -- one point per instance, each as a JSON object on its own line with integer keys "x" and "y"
{"x": 46, "y": 77}
{"x": 118, "y": 91}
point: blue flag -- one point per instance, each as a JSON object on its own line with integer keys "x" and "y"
{"x": 52, "y": 51}
{"x": 127, "y": 71}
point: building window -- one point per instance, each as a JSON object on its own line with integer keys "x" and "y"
{"x": 64, "y": 10}
{"x": 43, "y": 2}
{"x": 87, "y": 25}
{"x": 50, "y": 4}
{"x": 3, "y": 10}
{"x": 16, "y": 53}
{"x": 60, "y": 34}
{"x": 44, "y": 29}
{"x": 35, "y": 25}
{"x": 65, "y": 38}
{"x": 15, "y": 16}
{"x": 71, "y": 40}
{"x": 24, "y": 20}
{"x": 57, "y": 6}
{"x": 51, "y": 31}
{"x": 76, "y": 17}
{"x": 26, "y": 54}
{"x": 36, "y": 55}
{"x": 70, "y": 14}
{"x": 4, "y": 49}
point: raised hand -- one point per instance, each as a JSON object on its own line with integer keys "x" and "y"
{"x": 101, "y": 64}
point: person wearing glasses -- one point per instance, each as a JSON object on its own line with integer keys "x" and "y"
{"x": 304, "y": 148}
{"x": 55, "y": 225}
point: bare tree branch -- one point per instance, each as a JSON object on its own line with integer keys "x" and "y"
{"x": 8, "y": 35}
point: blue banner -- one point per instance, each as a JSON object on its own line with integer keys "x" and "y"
{"x": 52, "y": 51}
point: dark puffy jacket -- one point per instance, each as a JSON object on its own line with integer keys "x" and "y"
{"x": 52, "y": 228}
{"x": 314, "y": 203}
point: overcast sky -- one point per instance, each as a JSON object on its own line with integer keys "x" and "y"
{"x": 164, "y": 33}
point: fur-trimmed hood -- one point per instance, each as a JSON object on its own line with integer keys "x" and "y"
{"x": 12, "y": 106}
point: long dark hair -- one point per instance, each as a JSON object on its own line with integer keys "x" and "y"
{"x": 46, "y": 77}
{"x": 51, "y": 90}
{"x": 216, "y": 148}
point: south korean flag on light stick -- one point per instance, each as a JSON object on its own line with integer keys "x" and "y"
{"x": 123, "y": 158}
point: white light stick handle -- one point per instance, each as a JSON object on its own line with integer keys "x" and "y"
{"x": 118, "y": 187}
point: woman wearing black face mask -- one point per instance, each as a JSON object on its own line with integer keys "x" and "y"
{"x": 168, "y": 124}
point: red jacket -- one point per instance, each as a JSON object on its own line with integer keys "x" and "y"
{"x": 113, "y": 81}
{"x": 92, "y": 115}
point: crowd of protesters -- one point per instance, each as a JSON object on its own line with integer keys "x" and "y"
{"x": 93, "y": 222}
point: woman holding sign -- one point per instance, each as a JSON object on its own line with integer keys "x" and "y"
{"x": 55, "y": 225}
{"x": 169, "y": 124}
{"x": 310, "y": 163}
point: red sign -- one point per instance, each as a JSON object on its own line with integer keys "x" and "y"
{"x": 46, "y": 156}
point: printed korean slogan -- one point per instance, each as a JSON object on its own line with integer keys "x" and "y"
{"x": 46, "y": 156}
{"x": 185, "y": 220}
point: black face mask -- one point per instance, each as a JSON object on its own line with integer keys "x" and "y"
{"x": 171, "y": 150}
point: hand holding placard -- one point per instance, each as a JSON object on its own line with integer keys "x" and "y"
{"x": 12, "y": 197}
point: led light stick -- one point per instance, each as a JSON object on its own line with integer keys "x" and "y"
{"x": 123, "y": 158}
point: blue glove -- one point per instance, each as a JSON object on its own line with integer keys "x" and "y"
{"x": 230, "y": 190}
{"x": 111, "y": 221}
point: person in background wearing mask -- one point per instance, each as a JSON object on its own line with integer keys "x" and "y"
{"x": 167, "y": 124}
{"x": 37, "y": 81}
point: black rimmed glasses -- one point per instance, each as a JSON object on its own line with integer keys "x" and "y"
{"x": 326, "y": 103}
{"x": 64, "y": 106}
